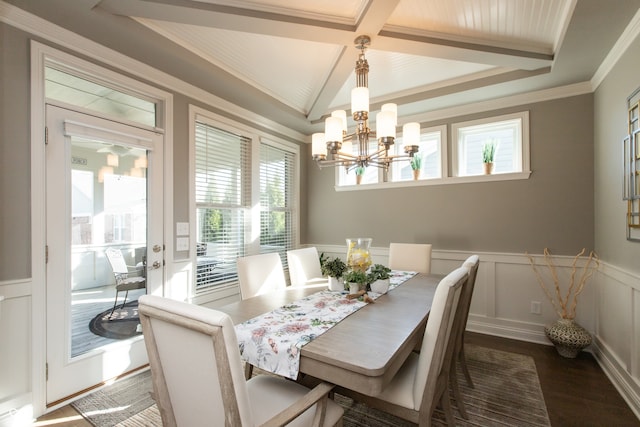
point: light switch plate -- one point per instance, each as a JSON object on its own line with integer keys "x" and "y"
{"x": 182, "y": 229}
{"x": 182, "y": 244}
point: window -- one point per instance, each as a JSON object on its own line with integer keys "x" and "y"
{"x": 240, "y": 210}
{"x": 223, "y": 195}
{"x": 433, "y": 163}
{"x": 83, "y": 92}
{"x": 509, "y": 133}
{"x": 277, "y": 200}
{"x": 430, "y": 154}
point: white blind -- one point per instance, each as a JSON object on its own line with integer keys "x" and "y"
{"x": 223, "y": 195}
{"x": 277, "y": 200}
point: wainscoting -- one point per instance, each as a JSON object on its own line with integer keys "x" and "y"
{"x": 609, "y": 307}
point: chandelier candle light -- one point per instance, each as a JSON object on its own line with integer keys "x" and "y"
{"x": 335, "y": 147}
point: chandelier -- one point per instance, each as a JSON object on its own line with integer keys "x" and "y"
{"x": 336, "y": 147}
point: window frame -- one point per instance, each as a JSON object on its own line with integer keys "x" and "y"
{"x": 522, "y": 151}
{"x": 340, "y": 174}
{"x": 252, "y": 219}
{"x": 449, "y": 168}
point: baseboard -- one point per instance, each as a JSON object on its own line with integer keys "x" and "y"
{"x": 507, "y": 329}
{"x": 628, "y": 388}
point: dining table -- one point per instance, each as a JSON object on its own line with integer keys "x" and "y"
{"x": 364, "y": 350}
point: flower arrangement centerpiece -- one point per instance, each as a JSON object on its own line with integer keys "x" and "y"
{"x": 358, "y": 256}
{"x": 568, "y": 337}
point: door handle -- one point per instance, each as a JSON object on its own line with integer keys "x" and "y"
{"x": 155, "y": 265}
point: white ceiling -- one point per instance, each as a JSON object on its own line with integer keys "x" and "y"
{"x": 291, "y": 61}
{"x": 302, "y": 53}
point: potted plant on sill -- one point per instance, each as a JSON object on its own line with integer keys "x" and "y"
{"x": 378, "y": 278}
{"x": 488, "y": 154}
{"x": 567, "y": 336}
{"x": 416, "y": 165}
{"x": 359, "y": 174}
{"x": 354, "y": 281}
{"x": 333, "y": 268}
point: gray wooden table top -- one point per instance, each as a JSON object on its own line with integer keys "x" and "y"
{"x": 365, "y": 350}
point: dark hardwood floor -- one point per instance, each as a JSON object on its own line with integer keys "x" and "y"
{"x": 576, "y": 391}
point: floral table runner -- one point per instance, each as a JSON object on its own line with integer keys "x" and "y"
{"x": 272, "y": 341}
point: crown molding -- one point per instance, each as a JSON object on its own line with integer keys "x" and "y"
{"x": 53, "y": 33}
{"x": 505, "y": 102}
{"x": 619, "y": 48}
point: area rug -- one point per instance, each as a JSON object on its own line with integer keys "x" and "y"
{"x": 507, "y": 393}
{"x": 121, "y": 325}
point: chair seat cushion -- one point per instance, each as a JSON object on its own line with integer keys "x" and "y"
{"x": 400, "y": 389}
{"x": 269, "y": 395}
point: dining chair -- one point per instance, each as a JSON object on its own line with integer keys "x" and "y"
{"x": 304, "y": 267}
{"x": 259, "y": 274}
{"x": 197, "y": 379}
{"x": 422, "y": 381}
{"x": 410, "y": 257}
{"x": 460, "y": 325}
{"x": 124, "y": 283}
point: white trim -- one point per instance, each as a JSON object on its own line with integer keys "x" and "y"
{"x": 35, "y": 25}
{"x": 502, "y": 103}
{"x": 257, "y": 137}
{"x": 40, "y": 55}
{"x": 436, "y": 181}
{"x": 627, "y": 37}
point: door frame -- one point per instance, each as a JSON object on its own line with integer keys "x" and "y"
{"x": 41, "y": 55}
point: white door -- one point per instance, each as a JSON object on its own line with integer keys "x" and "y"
{"x": 104, "y": 186}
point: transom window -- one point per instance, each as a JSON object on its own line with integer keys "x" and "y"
{"x": 430, "y": 154}
{"x": 507, "y": 135}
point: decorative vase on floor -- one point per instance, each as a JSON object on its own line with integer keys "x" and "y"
{"x": 568, "y": 337}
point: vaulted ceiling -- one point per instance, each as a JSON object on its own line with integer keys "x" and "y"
{"x": 295, "y": 59}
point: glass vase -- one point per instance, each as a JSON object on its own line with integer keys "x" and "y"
{"x": 358, "y": 256}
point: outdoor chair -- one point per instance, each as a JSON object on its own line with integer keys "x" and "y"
{"x": 121, "y": 271}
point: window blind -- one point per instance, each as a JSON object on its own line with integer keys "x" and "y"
{"x": 223, "y": 196}
{"x": 277, "y": 200}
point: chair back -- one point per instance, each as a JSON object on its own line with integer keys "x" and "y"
{"x": 259, "y": 274}
{"x": 195, "y": 364}
{"x": 304, "y": 266}
{"x": 116, "y": 260}
{"x": 410, "y": 257}
{"x": 436, "y": 336}
{"x": 471, "y": 264}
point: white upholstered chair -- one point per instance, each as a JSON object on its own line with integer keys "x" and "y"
{"x": 197, "y": 374}
{"x": 304, "y": 267}
{"x": 410, "y": 257}
{"x": 460, "y": 325}
{"x": 259, "y": 274}
{"x": 422, "y": 381}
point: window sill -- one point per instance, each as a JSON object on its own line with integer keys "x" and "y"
{"x": 438, "y": 181}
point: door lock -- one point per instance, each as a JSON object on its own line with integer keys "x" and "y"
{"x": 157, "y": 248}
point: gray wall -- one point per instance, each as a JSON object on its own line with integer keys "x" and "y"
{"x": 610, "y": 112}
{"x": 553, "y": 208}
{"x": 15, "y": 178}
{"x": 15, "y": 172}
